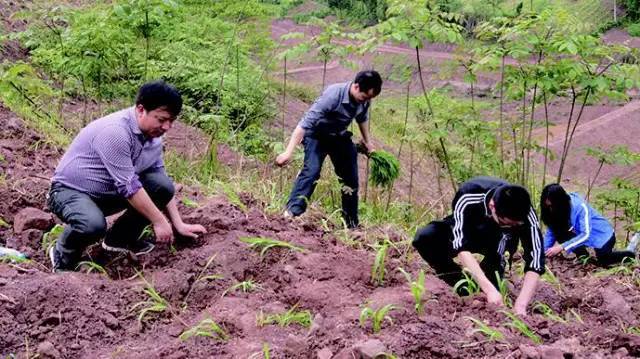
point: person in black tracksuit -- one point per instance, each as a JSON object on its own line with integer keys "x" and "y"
{"x": 489, "y": 217}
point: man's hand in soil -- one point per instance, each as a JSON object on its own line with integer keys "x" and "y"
{"x": 520, "y": 310}
{"x": 190, "y": 230}
{"x": 163, "y": 231}
{"x": 283, "y": 158}
{"x": 494, "y": 297}
{"x": 555, "y": 250}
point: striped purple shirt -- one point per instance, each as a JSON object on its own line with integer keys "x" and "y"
{"x": 107, "y": 156}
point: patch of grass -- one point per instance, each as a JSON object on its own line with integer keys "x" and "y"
{"x": 206, "y": 328}
{"x": 153, "y": 304}
{"x": 377, "y": 316}
{"x": 3, "y": 223}
{"x": 418, "y": 289}
{"x": 483, "y": 328}
{"x": 265, "y": 244}
{"x": 520, "y": 326}
{"x": 291, "y": 316}
{"x": 246, "y": 286}
{"x": 264, "y": 354}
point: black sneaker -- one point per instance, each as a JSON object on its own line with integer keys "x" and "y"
{"x": 56, "y": 261}
{"x": 138, "y": 247}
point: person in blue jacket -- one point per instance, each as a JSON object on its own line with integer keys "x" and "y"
{"x": 573, "y": 225}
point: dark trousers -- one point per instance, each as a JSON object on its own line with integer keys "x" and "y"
{"x": 606, "y": 256}
{"x": 85, "y": 221}
{"x": 435, "y": 245}
{"x": 342, "y": 153}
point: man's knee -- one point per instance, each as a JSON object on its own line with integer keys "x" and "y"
{"x": 92, "y": 226}
{"x": 159, "y": 186}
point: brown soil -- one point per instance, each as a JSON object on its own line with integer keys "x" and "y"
{"x": 77, "y": 315}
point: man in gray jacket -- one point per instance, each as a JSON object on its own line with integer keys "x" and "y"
{"x": 323, "y": 131}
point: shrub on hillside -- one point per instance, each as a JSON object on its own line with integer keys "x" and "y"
{"x": 634, "y": 29}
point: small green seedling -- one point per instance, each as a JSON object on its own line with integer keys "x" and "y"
{"x": 483, "y": 328}
{"x": 625, "y": 268}
{"x": 49, "y": 238}
{"x": 291, "y": 316}
{"x": 378, "y": 268}
{"x": 206, "y": 328}
{"x": 522, "y": 327}
{"x": 377, "y": 316}
{"x": 503, "y": 287}
{"x": 147, "y": 233}
{"x": 154, "y": 303}
{"x": 546, "y": 311}
{"x": 264, "y": 354}
{"x": 575, "y": 315}
{"x": 551, "y": 278}
{"x": 188, "y": 202}
{"x": 418, "y": 289}
{"x": 3, "y": 223}
{"x": 202, "y": 277}
{"x": 244, "y": 286}
{"x": 92, "y": 267}
{"x": 264, "y": 244}
{"x": 632, "y": 330}
{"x": 467, "y": 284}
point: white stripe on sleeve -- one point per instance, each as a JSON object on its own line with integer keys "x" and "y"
{"x": 587, "y": 229}
{"x": 458, "y": 215}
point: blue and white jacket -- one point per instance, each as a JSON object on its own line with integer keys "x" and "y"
{"x": 591, "y": 229}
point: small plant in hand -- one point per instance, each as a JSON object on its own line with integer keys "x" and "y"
{"x": 385, "y": 168}
{"x": 265, "y": 244}
{"x": 291, "y": 316}
{"x": 418, "y": 289}
{"x": 377, "y": 317}
{"x": 206, "y": 328}
{"x": 483, "y": 328}
{"x": 522, "y": 327}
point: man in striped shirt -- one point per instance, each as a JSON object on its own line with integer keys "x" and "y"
{"x": 115, "y": 163}
{"x": 489, "y": 217}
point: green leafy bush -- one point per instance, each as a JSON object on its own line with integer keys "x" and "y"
{"x": 385, "y": 168}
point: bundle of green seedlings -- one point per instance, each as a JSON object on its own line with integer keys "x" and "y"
{"x": 385, "y": 168}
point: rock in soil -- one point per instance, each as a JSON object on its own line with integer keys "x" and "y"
{"x": 371, "y": 349}
{"x": 32, "y": 218}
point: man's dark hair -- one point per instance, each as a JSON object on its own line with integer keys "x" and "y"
{"x": 369, "y": 79}
{"x": 156, "y": 94}
{"x": 512, "y": 202}
{"x": 555, "y": 214}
